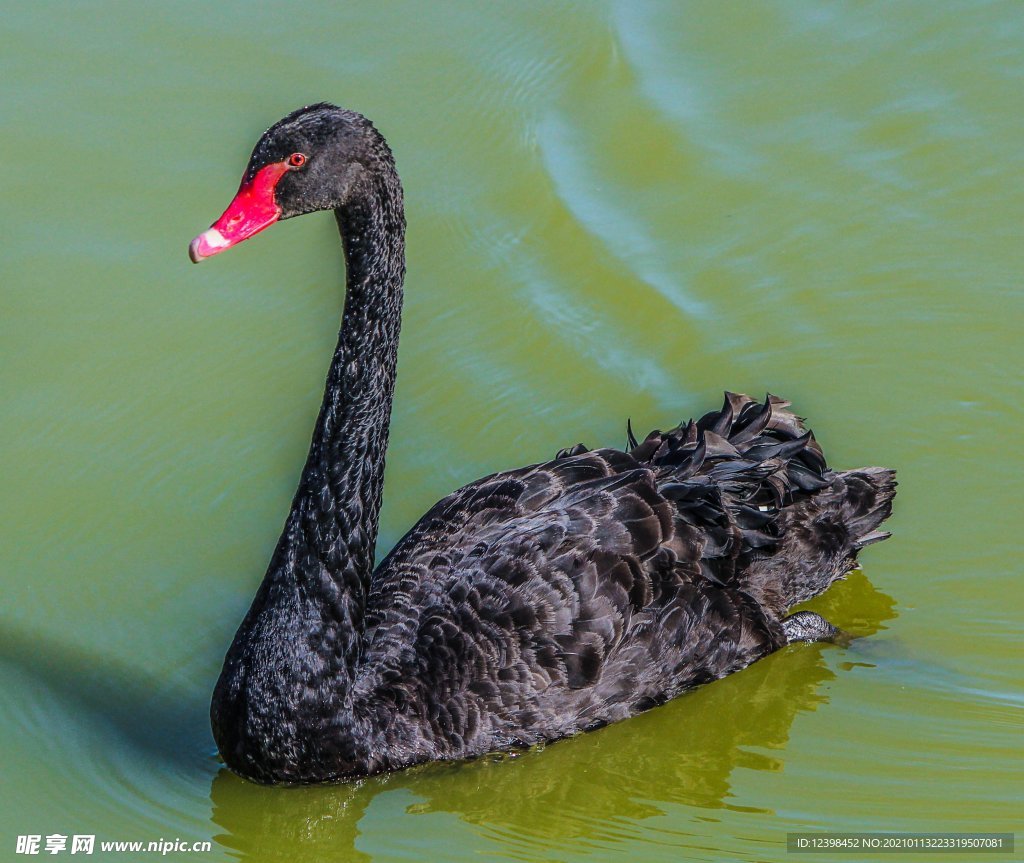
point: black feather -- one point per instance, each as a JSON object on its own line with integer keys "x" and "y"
{"x": 531, "y": 604}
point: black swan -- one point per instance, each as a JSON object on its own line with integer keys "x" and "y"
{"x": 527, "y": 606}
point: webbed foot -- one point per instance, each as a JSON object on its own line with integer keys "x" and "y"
{"x": 809, "y": 626}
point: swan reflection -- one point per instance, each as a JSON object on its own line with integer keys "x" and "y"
{"x": 592, "y": 788}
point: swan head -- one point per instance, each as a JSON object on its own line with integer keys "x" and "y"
{"x": 316, "y": 158}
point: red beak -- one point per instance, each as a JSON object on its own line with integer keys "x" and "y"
{"x": 252, "y": 210}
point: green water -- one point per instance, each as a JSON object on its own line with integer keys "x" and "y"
{"x": 615, "y": 210}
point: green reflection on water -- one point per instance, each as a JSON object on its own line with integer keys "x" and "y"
{"x": 586, "y": 793}
{"x": 616, "y": 210}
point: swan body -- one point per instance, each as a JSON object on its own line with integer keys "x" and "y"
{"x": 532, "y": 604}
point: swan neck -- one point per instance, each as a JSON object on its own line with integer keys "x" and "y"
{"x": 356, "y": 412}
{"x": 333, "y": 527}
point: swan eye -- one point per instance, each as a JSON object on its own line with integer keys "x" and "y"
{"x": 297, "y": 160}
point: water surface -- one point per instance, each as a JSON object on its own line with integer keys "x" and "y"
{"x": 615, "y": 209}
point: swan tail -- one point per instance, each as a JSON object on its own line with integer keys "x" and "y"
{"x": 778, "y": 522}
{"x": 867, "y": 503}
{"x": 821, "y": 536}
